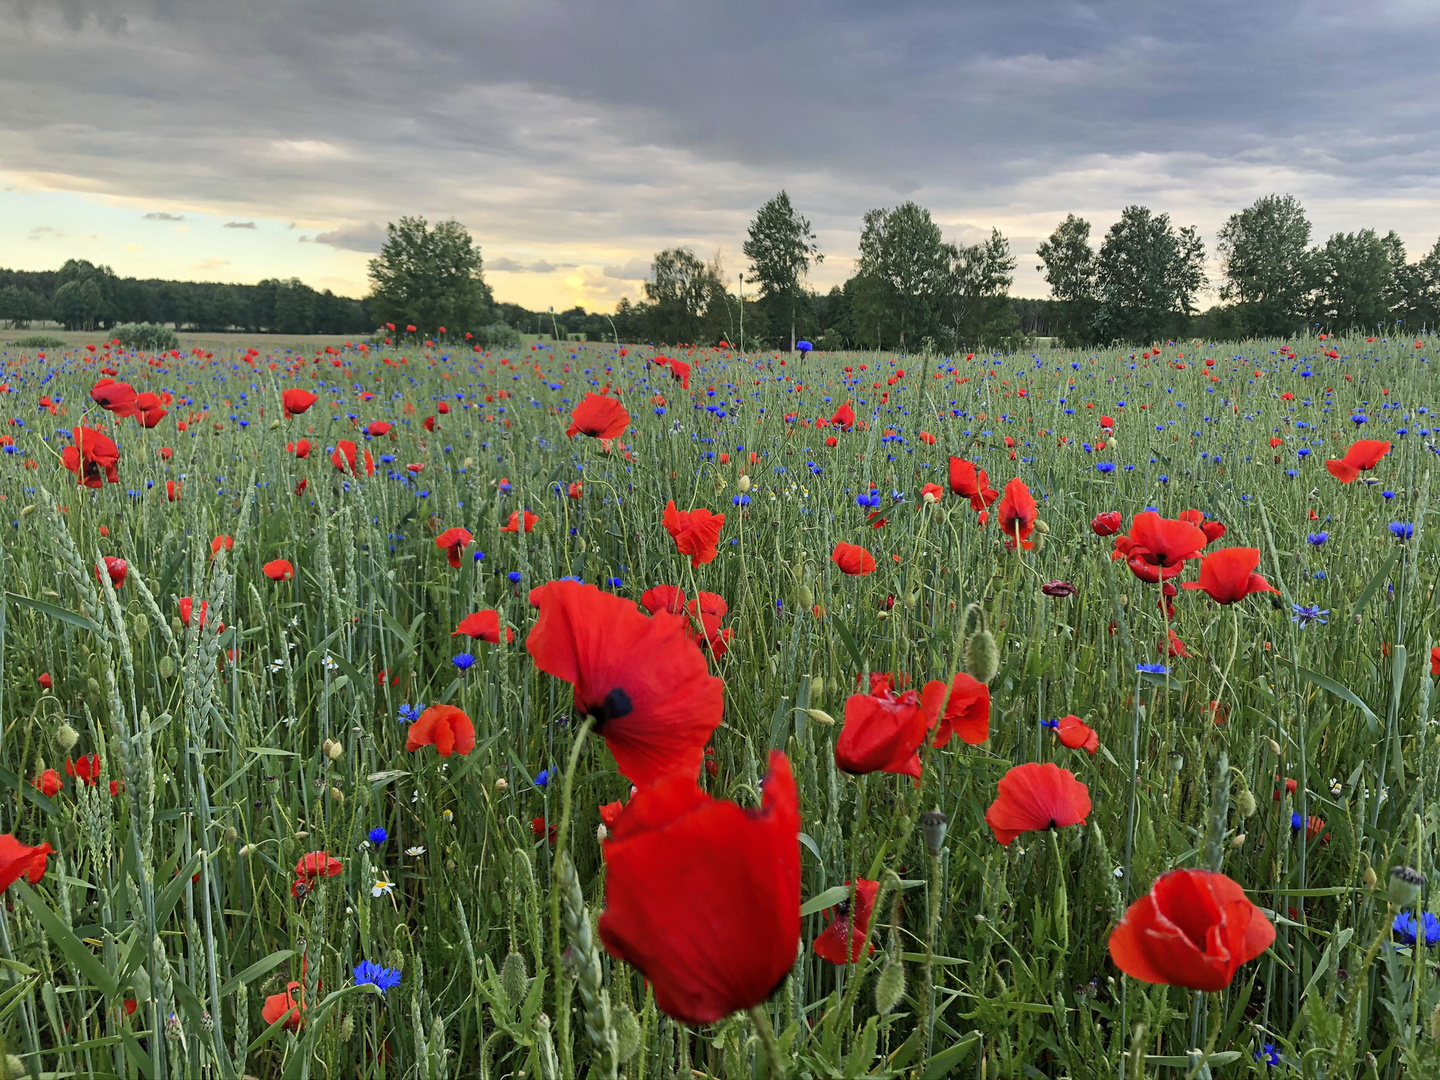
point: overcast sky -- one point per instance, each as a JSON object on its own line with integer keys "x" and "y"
{"x": 240, "y": 139}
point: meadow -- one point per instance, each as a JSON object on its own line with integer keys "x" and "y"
{"x": 276, "y": 849}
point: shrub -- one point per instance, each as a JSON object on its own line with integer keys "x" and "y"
{"x": 38, "y": 341}
{"x": 147, "y": 337}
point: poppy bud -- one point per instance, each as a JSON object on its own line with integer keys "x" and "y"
{"x": 1405, "y": 885}
{"x": 347, "y": 1025}
{"x": 1274, "y": 748}
{"x": 244, "y": 851}
{"x": 14, "y": 1066}
{"x": 601, "y": 833}
{"x": 1435, "y": 1024}
{"x": 820, "y": 716}
{"x": 167, "y": 667}
{"x": 28, "y": 510}
{"x": 142, "y": 625}
{"x": 513, "y": 977}
{"x": 176, "y": 626}
{"x": 1245, "y": 803}
{"x": 627, "y": 1033}
{"x": 1369, "y": 879}
{"x": 805, "y": 596}
{"x": 817, "y": 689}
{"x": 889, "y": 987}
{"x": 502, "y": 784}
{"x": 744, "y": 483}
{"x": 933, "y": 824}
{"x": 1237, "y": 841}
{"x": 93, "y": 685}
{"x": 66, "y": 737}
{"x": 982, "y": 656}
{"x": 336, "y": 795}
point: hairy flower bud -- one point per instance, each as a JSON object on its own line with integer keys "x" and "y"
{"x": 982, "y": 656}
{"x": 889, "y": 987}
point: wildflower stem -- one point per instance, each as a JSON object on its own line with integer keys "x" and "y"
{"x": 774, "y": 1059}
{"x": 562, "y": 990}
{"x": 927, "y": 997}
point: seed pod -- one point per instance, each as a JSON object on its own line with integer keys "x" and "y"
{"x": 141, "y": 623}
{"x": 167, "y": 666}
{"x": 890, "y": 987}
{"x": 627, "y": 1033}
{"x": 933, "y": 824}
{"x": 982, "y": 656}
{"x": 1245, "y": 803}
{"x": 66, "y": 737}
{"x": 1405, "y": 885}
{"x": 513, "y": 977}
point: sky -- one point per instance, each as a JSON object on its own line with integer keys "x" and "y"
{"x": 235, "y": 140}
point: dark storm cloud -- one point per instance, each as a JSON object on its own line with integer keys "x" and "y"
{"x": 626, "y": 126}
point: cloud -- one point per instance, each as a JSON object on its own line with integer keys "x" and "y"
{"x": 240, "y": 225}
{"x": 161, "y": 215}
{"x": 368, "y": 238}
{"x": 506, "y": 265}
{"x": 632, "y": 270}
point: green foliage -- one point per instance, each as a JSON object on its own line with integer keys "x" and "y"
{"x": 429, "y": 277}
{"x": 687, "y": 298}
{"x": 147, "y": 337}
{"x": 905, "y": 267}
{"x": 38, "y": 341}
{"x": 1069, "y": 265}
{"x": 780, "y": 246}
{"x": 1146, "y": 277}
{"x": 1355, "y": 279}
{"x": 1262, "y": 252}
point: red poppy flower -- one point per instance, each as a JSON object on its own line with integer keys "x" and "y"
{"x": 85, "y": 769}
{"x": 115, "y": 397}
{"x": 844, "y": 417}
{"x": 642, "y": 678}
{"x": 932, "y": 493}
{"x": 696, "y": 532}
{"x": 172, "y": 491}
{"x": 290, "y": 1005}
{"x": 1106, "y": 524}
{"x": 841, "y": 941}
{"x": 883, "y": 730}
{"x": 680, "y": 372}
{"x": 379, "y": 428}
{"x": 1017, "y": 513}
{"x": 483, "y": 626}
{"x": 226, "y": 542}
{"x": 279, "y": 570}
{"x": 444, "y": 727}
{"x": 48, "y": 783}
{"x": 1213, "y": 530}
{"x": 1228, "y": 575}
{"x": 316, "y": 866}
{"x": 300, "y": 448}
{"x": 115, "y": 569}
{"x": 1194, "y": 928}
{"x": 451, "y": 541}
{"x": 969, "y": 481}
{"x": 17, "y": 860}
{"x": 708, "y": 609}
{"x": 599, "y": 417}
{"x": 44, "y": 680}
{"x": 703, "y": 897}
{"x": 295, "y": 401}
{"x": 539, "y": 828}
{"x": 1157, "y": 548}
{"x": 343, "y": 457}
{"x": 513, "y": 525}
{"x": 1363, "y": 455}
{"x": 660, "y": 598}
{"x": 852, "y": 559}
{"x": 610, "y": 813}
{"x": 94, "y": 459}
{"x": 1036, "y": 796}
{"x": 1076, "y": 734}
{"x": 1435, "y": 660}
{"x": 151, "y": 410}
{"x": 967, "y": 712}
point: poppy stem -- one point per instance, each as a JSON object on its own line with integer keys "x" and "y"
{"x": 775, "y": 1060}
{"x": 562, "y": 996}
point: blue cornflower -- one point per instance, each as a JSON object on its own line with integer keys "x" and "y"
{"x": 1359, "y": 418}
{"x": 1268, "y": 1054}
{"x": 1306, "y": 615}
{"x": 382, "y": 978}
{"x": 1050, "y": 724}
{"x": 1105, "y": 466}
{"x": 1388, "y": 494}
{"x": 542, "y": 778}
{"x": 1402, "y": 530}
{"x": 1153, "y": 669}
{"x": 479, "y": 555}
{"x": 514, "y": 576}
{"x": 409, "y": 714}
{"x": 1404, "y": 928}
{"x": 741, "y": 500}
{"x": 464, "y": 661}
{"x": 378, "y": 835}
{"x": 1316, "y": 539}
{"x": 613, "y": 583}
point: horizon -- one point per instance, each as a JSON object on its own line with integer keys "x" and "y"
{"x": 570, "y": 174}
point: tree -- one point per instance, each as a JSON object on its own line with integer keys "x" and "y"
{"x": 1146, "y": 277}
{"x": 979, "y": 291}
{"x": 1423, "y": 299}
{"x": 19, "y": 307}
{"x": 681, "y": 290}
{"x": 429, "y": 277}
{"x": 1352, "y": 280}
{"x": 1262, "y": 252}
{"x": 295, "y": 308}
{"x": 1069, "y": 265}
{"x": 902, "y": 252}
{"x": 780, "y": 247}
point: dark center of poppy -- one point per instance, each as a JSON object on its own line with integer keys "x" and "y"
{"x": 615, "y": 705}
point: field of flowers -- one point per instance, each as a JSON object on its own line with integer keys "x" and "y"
{"x": 411, "y": 710}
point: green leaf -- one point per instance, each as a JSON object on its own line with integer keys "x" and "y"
{"x": 1375, "y": 582}
{"x": 75, "y": 950}
{"x": 63, "y": 614}
{"x": 827, "y": 899}
{"x": 1342, "y": 692}
{"x": 941, "y": 1064}
{"x": 848, "y": 640}
{"x": 255, "y": 970}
